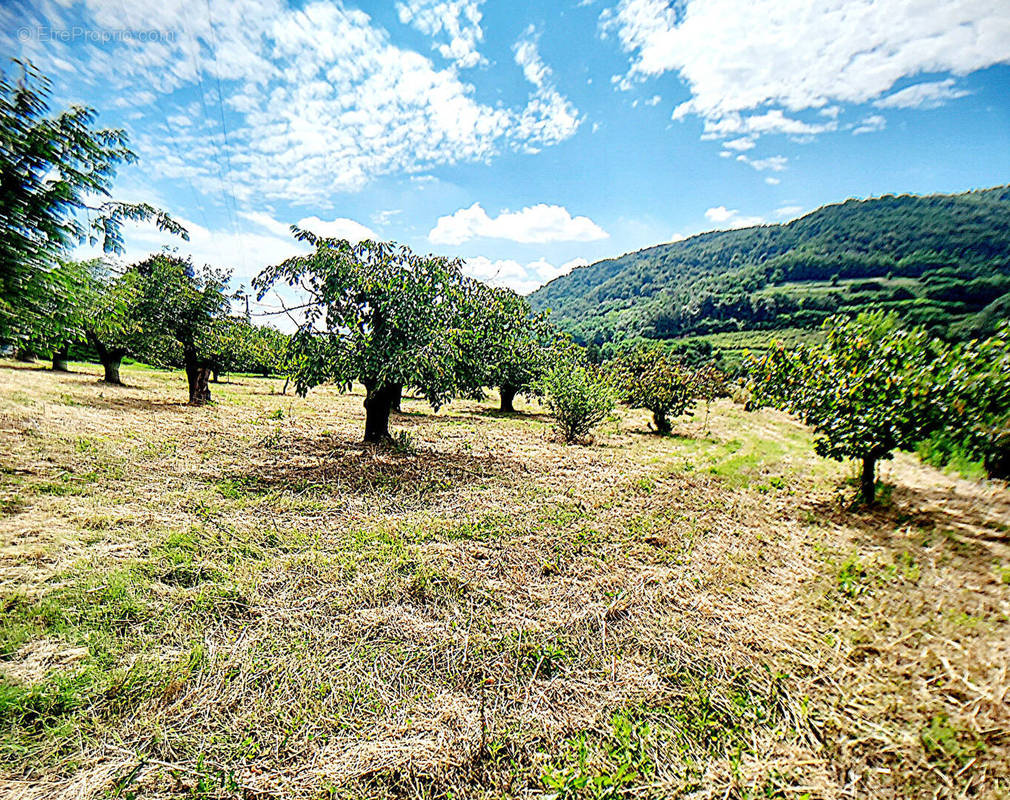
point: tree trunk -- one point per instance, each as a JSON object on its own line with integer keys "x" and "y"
{"x": 110, "y": 357}
{"x": 25, "y": 356}
{"x": 215, "y": 374}
{"x": 378, "y": 404}
{"x": 198, "y": 377}
{"x": 397, "y": 396}
{"x": 663, "y": 425}
{"x": 111, "y": 363}
{"x": 60, "y": 359}
{"x": 997, "y": 455}
{"x": 868, "y": 480}
{"x": 508, "y": 396}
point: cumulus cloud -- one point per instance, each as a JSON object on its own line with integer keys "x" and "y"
{"x": 244, "y": 251}
{"x": 455, "y": 22}
{"x": 932, "y": 94}
{"x": 774, "y": 121}
{"x": 730, "y": 218}
{"x": 339, "y": 228}
{"x": 264, "y": 220}
{"x": 316, "y": 97}
{"x": 537, "y": 224}
{"x": 515, "y": 276}
{"x": 788, "y": 56}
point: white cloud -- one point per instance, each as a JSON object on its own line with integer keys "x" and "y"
{"x": 720, "y": 214}
{"x": 534, "y": 224}
{"x": 772, "y": 181}
{"x": 245, "y": 251}
{"x": 740, "y": 144}
{"x": 264, "y": 220}
{"x": 738, "y": 58}
{"x": 522, "y": 279}
{"x": 527, "y": 56}
{"x": 654, "y": 100}
{"x": 932, "y": 94}
{"x": 772, "y": 163}
{"x": 730, "y": 218}
{"x": 458, "y": 20}
{"x": 870, "y": 124}
{"x": 774, "y": 121}
{"x": 339, "y": 228}
{"x": 317, "y": 99}
{"x": 386, "y": 216}
{"x": 788, "y": 212}
{"x": 549, "y": 118}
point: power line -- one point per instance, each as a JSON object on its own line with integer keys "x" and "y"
{"x": 231, "y": 212}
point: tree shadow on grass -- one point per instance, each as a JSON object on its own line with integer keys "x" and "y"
{"x": 976, "y": 515}
{"x": 516, "y": 416}
{"x": 331, "y": 464}
{"x": 129, "y": 403}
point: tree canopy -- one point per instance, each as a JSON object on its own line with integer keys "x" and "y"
{"x": 518, "y": 344}
{"x": 976, "y": 382}
{"x": 871, "y": 388}
{"x": 178, "y": 308}
{"x": 383, "y": 316}
{"x": 651, "y": 378}
{"x": 50, "y": 168}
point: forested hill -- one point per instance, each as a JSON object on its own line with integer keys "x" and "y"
{"x": 936, "y": 259}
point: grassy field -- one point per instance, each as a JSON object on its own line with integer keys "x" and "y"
{"x": 243, "y": 601}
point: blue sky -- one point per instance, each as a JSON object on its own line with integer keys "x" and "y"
{"x": 526, "y": 138}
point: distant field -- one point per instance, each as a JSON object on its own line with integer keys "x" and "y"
{"x": 739, "y": 341}
{"x": 243, "y": 601}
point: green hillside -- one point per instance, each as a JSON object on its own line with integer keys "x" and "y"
{"x": 937, "y": 260}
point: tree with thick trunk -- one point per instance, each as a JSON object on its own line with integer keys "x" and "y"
{"x": 180, "y": 308}
{"x": 397, "y": 397}
{"x": 379, "y": 315}
{"x": 111, "y": 358}
{"x": 508, "y": 396}
{"x": 650, "y": 377}
{"x": 517, "y": 346}
{"x": 198, "y": 372}
{"x": 378, "y": 405}
{"x": 662, "y": 422}
{"x": 60, "y": 359}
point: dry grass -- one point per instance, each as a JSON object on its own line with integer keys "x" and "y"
{"x": 241, "y": 600}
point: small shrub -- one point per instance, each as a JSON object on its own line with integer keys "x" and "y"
{"x": 578, "y": 397}
{"x": 403, "y": 443}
